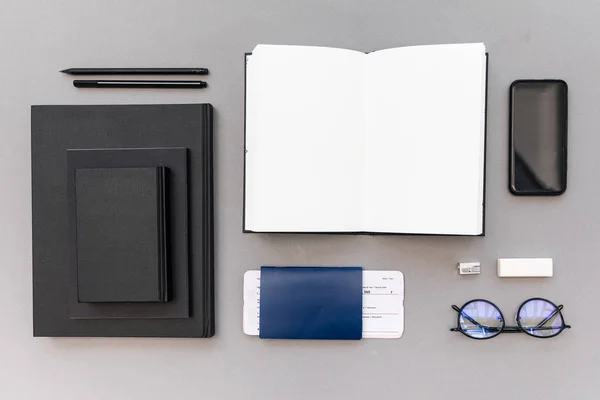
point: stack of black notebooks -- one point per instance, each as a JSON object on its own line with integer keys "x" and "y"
{"x": 123, "y": 220}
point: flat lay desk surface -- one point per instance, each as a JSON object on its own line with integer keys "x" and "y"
{"x": 525, "y": 39}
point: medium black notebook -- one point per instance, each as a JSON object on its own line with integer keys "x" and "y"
{"x": 389, "y": 142}
{"x": 121, "y": 235}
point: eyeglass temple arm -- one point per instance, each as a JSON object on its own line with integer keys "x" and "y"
{"x": 468, "y": 317}
{"x": 549, "y": 317}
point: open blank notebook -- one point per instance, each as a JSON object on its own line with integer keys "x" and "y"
{"x": 386, "y": 142}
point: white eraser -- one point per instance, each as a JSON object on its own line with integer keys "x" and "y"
{"x": 525, "y": 267}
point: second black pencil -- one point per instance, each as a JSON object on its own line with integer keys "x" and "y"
{"x": 139, "y": 84}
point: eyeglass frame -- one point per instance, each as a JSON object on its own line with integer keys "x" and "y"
{"x": 509, "y": 329}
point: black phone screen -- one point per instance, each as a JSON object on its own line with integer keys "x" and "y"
{"x": 538, "y": 137}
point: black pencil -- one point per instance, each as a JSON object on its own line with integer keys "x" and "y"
{"x": 140, "y": 84}
{"x": 136, "y": 71}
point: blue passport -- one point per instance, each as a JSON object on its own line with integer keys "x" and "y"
{"x": 311, "y": 303}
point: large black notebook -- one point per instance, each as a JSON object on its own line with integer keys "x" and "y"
{"x": 392, "y": 141}
{"x": 122, "y": 199}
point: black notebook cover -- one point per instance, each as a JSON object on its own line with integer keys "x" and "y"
{"x": 121, "y": 239}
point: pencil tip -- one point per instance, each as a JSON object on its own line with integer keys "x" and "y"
{"x": 65, "y": 71}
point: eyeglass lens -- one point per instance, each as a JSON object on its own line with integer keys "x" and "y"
{"x": 540, "y": 318}
{"x": 481, "y": 320}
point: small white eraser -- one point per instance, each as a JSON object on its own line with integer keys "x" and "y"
{"x": 525, "y": 267}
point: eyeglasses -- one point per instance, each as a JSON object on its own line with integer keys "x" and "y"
{"x": 481, "y": 319}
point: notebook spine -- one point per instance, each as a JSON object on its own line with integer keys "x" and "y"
{"x": 208, "y": 225}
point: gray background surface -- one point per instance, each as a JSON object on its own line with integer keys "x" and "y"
{"x": 526, "y": 39}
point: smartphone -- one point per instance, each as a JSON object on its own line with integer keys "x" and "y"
{"x": 538, "y": 137}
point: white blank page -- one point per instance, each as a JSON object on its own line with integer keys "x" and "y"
{"x": 425, "y": 139}
{"x": 304, "y": 127}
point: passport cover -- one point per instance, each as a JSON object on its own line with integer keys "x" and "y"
{"x": 311, "y": 303}
{"x": 121, "y": 235}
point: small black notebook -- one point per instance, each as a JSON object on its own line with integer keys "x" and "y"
{"x": 121, "y": 235}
